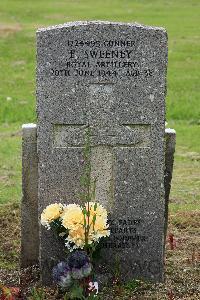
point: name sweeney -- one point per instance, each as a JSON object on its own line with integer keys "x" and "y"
{"x": 104, "y": 54}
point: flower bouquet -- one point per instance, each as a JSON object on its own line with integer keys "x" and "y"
{"x": 81, "y": 226}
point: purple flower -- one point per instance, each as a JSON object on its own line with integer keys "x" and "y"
{"x": 62, "y": 274}
{"x": 78, "y": 259}
{"x": 87, "y": 269}
{"x": 76, "y": 267}
{"x": 80, "y": 265}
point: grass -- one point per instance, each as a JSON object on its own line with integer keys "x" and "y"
{"x": 19, "y": 20}
{"x": 185, "y": 192}
{"x": 10, "y": 164}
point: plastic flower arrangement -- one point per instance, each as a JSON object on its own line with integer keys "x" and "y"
{"x": 81, "y": 226}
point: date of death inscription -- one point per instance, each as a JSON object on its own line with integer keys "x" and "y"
{"x": 112, "y": 58}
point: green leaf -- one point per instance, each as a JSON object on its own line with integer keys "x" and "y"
{"x": 77, "y": 293}
{"x": 37, "y": 294}
{"x": 95, "y": 206}
{"x": 93, "y": 296}
{"x": 94, "y": 219}
{"x": 132, "y": 285}
{"x": 84, "y": 211}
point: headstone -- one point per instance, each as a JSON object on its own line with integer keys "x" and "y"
{"x": 29, "y": 206}
{"x": 170, "y": 143}
{"x": 29, "y": 215}
{"x": 110, "y": 77}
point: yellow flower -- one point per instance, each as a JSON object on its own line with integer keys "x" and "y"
{"x": 100, "y": 228}
{"x": 51, "y": 213}
{"x": 72, "y": 217}
{"x": 100, "y": 210}
{"x": 73, "y": 220}
{"x": 77, "y": 237}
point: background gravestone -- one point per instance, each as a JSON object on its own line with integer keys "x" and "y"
{"x": 29, "y": 206}
{"x": 111, "y": 77}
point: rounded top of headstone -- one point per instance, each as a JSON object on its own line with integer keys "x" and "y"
{"x": 99, "y": 23}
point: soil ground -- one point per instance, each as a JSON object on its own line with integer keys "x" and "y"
{"x": 182, "y": 262}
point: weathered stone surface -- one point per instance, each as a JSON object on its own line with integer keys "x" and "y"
{"x": 111, "y": 77}
{"x": 170, "y": 144}
{"x": 104, "y": 186}
{"x": 29, "y": 205}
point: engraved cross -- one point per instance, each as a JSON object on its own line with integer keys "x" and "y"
{"x": 106, "y": 134}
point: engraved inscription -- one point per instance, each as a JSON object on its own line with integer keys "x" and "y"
{"x": 124, "y": 234}
{"x": 102, "y": 59}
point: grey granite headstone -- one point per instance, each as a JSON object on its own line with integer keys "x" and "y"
{"x": 112, "y": 78}
{"x": 170, "y": 143}
{"x": 29, "y": 216}
{"x": 29, "y": 205}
